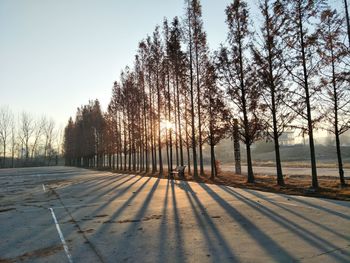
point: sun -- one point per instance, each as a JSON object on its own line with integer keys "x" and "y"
{"x": 167, "y": 125}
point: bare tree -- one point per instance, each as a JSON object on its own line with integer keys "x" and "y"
{"x": 302, "y": 65}
{"x": 347, "y": 19}
{"x": 39, "y": 126}
{"x": 48, "y": 132}
{"x": 188, "y": 36}
{"x": 238, "y": 76}
{"x": 6, "y": 122}
{"x": 335, "y": 78}
{"x": 14, "y": 143}
{"x": 217, "y": 111}
{"x": 26, "y": 130}
{"x": 271, "y": 75}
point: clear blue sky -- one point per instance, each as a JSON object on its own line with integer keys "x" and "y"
{"x": 55, "y": 55}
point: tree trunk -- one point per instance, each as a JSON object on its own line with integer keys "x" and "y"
{"x": 159, "y": 131}
{"x": 200, "y": 146}
{"x": 179, "y": 122}
{"x": 249, "y": 164}
{"x": 247, "y": 137}
{"x": 336, "y": 122}
{"x": 212, "y": 161}
{"x": 195, "y": 166}
{"x": 236, "y": 147}
{"x": 280, "y": 180}
{"x": 308, "y": 107}
{"x": 347, "y": 19}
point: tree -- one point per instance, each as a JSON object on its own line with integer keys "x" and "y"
{"x": 188, "y": 36}
{"x": 48, "y": 131}
{"x": 334, "y": 78}
{"x": 69, "y": 143}
{"x": 27, "y": 129}
{"x": 217, "y": 112}
{"x": 347, "y": 19}
{"x": 271, "y": 76}
{"x": 13, "y": 142}
{"x": 178, "y": 66}
{"x": 6, "y": 121}
{"x": 200, "y": 55}
{"x": 39, "y": 126}
{"x": 302, "y": 65}
{"x": 238, "y": 76}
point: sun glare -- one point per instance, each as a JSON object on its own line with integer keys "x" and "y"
{"x": 167, "y": 125}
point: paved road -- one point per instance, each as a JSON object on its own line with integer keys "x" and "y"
{"x": 106, "y": 217}
{"x": 291, "y": 171}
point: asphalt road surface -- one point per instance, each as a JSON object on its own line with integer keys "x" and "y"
{"x": 64, "y": 214}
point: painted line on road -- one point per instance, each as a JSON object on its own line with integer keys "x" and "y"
{"x": 69, "y": 256}
{"x": 44, "y": 188}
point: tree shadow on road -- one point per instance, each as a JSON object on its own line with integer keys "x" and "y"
{"x": 301, "y": 232}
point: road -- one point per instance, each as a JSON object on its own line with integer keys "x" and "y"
{"x": 290, "y": 170}
{"x": 62, "y": 214}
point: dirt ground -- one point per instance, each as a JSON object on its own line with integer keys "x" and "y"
{"x": 329, "y": 187}
{"x": 299, "y": 164}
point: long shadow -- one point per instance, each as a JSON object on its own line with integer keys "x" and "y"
{"x": 180, "y": 253}
{"x": 265, "y": 241}
{"x": 105, "y": 225}
{"x": 107, "y": 191}
{"x": 125, "y": 204}
{"x": 325, "y": 209}
{"x": 142, "y": 211}
{"x": 345, "y": 204}
{"x": 119, "y": 194}
{"x": 163, "y": 235}
{"x": 95, "y": 183}
{"x": 88, "y": 183}
{"x": 305, "y": 234}
{"x": 121, "y": 243}
{"x": 294, "y": 212}
{"x": 205, "y": 222}
{"x": 100, "y": 185}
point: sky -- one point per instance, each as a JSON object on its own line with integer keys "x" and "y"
{"x": 56, "y": 55}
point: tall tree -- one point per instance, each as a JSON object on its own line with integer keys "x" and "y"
{"x": 335, "y": 78}
{"x": 178, "y": 67}
{"x": 188, "y": 36}
{"x": 237, "y": 75}
{"x": 302, "y": 64}
{"x": 167, "y": 96}
{"x": 39, "y": 126}
{"x": 48, "y": 131}
{"x": 157, "y": 57}
{"x": 217, "y": 112}
{"x": 347, "y": 19}
{"x": 26, "y": 132}
{"x": 200, "y": 51}
{"x": 271, "y": 73}
{"x": 6, "y": 119}
{"x": 69, "y": 143}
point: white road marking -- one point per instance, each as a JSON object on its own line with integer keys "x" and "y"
{"x": 69, "y": 256}
{"x": 44, "y": 188}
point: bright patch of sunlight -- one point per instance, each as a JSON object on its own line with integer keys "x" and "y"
{"x": 167, "y": 125}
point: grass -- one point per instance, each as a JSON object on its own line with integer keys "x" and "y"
{"x": 299, "y": 164}
{"x": 329, "y": 187}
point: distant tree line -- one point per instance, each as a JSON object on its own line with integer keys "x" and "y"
{"x": 179, "y": 96}
{"x": 26, "y": 140}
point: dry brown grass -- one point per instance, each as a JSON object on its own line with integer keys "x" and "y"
{"x": 298, "y": 164}
{"x": 329, "y": 187}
